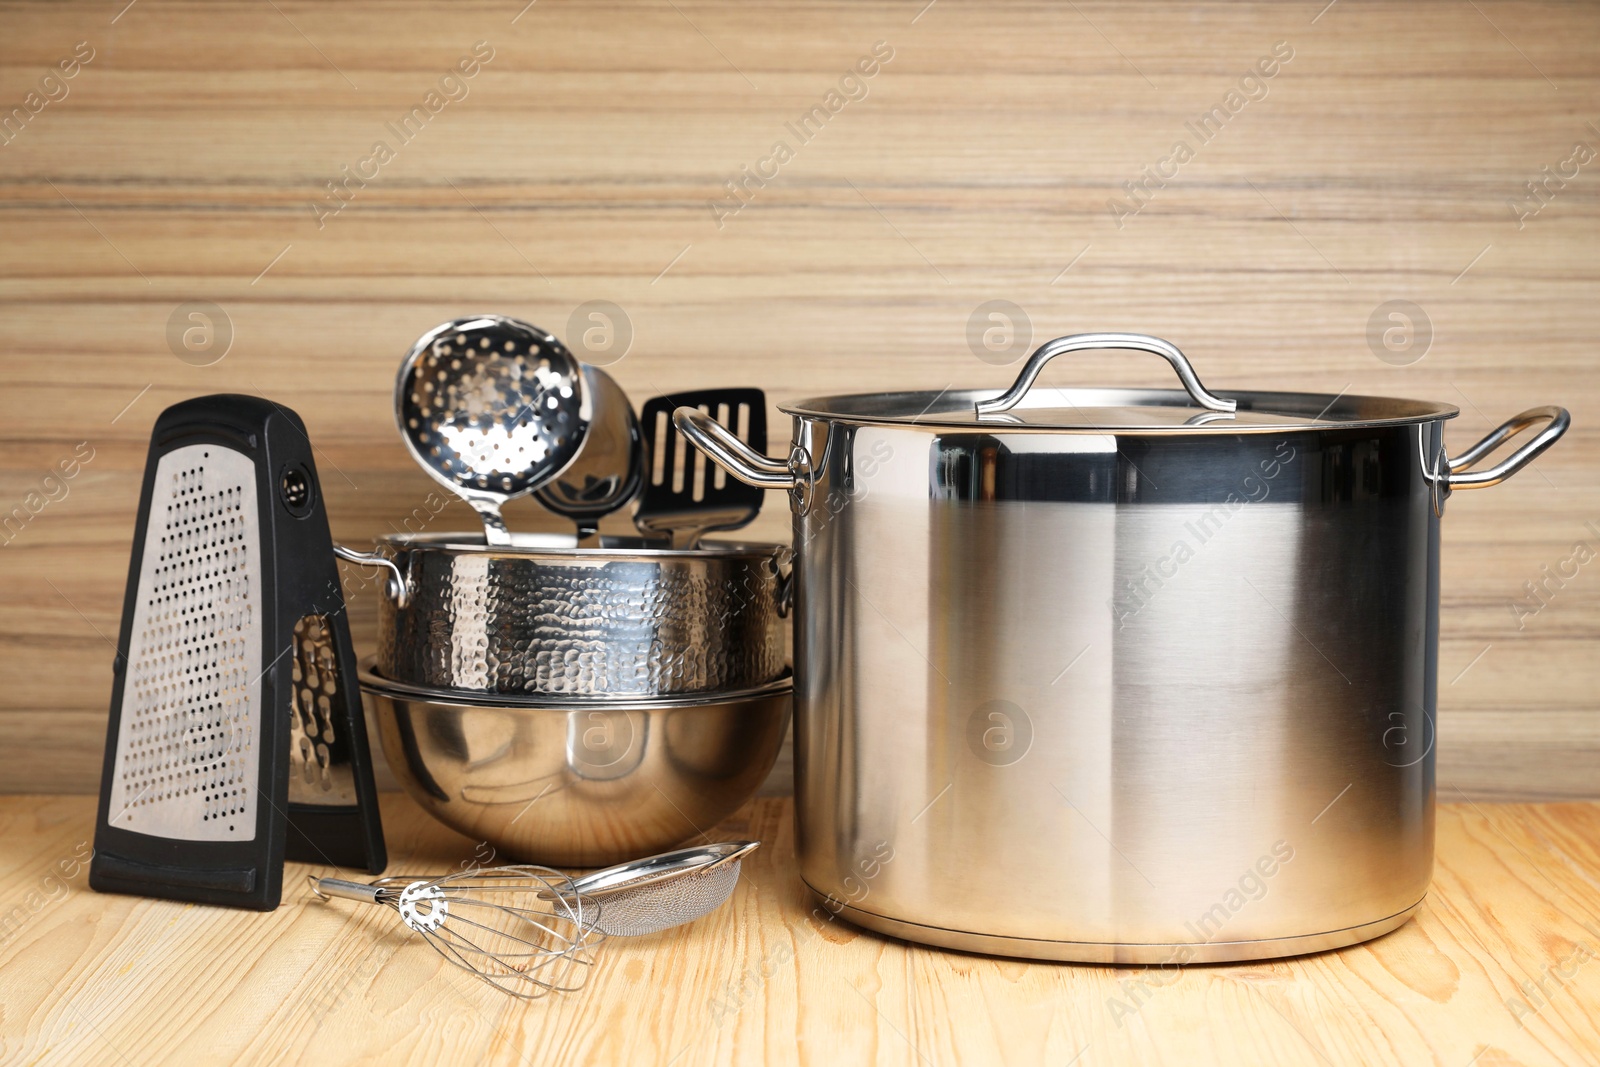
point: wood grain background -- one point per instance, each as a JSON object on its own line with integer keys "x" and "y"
{"x": 183, "y": 162}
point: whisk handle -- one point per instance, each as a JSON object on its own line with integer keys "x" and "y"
{"x": 338, "y": 887}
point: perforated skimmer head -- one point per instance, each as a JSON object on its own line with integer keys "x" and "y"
{"x": 649, "y": 895}
{"x": 493, "y": 408}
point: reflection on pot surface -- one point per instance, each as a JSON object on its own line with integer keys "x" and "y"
{"x": 624, "y": 618}
{"x": 1119, "y": 644}
{"x": 578, "y": 783}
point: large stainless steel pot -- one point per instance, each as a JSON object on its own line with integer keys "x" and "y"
{"x": 1118, "y": 675}
{"x": 628, "y": 618}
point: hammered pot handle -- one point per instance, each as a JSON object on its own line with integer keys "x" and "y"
{"x": 1079, "y": 342}
{"x": 1462, "y": 476}
{"x": 395, "y": 587}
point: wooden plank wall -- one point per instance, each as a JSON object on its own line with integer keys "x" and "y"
{"x": 187, "y": 160}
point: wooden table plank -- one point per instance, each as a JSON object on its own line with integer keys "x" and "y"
{"x": 1499, "y": 967}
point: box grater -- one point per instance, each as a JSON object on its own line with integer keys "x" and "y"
{"x": 236, "y": 737}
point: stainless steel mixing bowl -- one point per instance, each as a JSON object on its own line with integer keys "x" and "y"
{"x": 577, "y": 782}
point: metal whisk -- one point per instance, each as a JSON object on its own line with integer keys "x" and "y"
{"x": 525, "y": 930}
{"x": 507, "y": 925}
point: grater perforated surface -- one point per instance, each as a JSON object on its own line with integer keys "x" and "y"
{"x": 319, "y": 756}
{"x": 186, "y": 763}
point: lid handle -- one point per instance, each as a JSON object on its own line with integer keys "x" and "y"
{"x": 1079, "y": 342}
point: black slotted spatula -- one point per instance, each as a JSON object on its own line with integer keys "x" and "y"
{"x": 686, "y": 495}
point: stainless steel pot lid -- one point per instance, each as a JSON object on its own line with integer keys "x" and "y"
{"x": 563, "y": 546}
{"x": 1192, "y": 409}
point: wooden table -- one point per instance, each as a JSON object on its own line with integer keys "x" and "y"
{"x": 1501, "y": 966}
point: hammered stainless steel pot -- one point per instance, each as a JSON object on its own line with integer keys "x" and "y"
{"x": 541, "y": 616}
{"x": 1128, "y": 676}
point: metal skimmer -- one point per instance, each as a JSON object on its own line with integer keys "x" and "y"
{"x": 493, "y": 408}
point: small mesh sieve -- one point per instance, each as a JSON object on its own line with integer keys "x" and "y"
{"x": 654, "y": 894}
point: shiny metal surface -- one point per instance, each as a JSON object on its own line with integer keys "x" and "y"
{"x": 656, "y": 893}
{"x": 685, "y": 496}
{"x": 616, "y": 620}
{"x": 1171, "y": 694}
{"x": 186, "y": 765}
{"x": 579, "y": 783}
{"x": 1146, "y": 411}
{"x": 394, "y": 582}
{"x": 1132, "y": 676}
{"x": 1556, "y": 421}
{"x": 1175, "y": 954}
{"x": 609, "y": 469}
{"x": 320, "y": 771}
{"x": 732, "y": 454}
{"x": 1084, "y": 342}
{"x": 521, "y": 929}
{"x": 492, "y": 408}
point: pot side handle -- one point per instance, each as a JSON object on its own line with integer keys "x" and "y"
{"x": 395, "y": 587}
{"x": 1079, "y": 342}
{"x": 732, "y": 454}
{"x": 1462, "y": 476}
